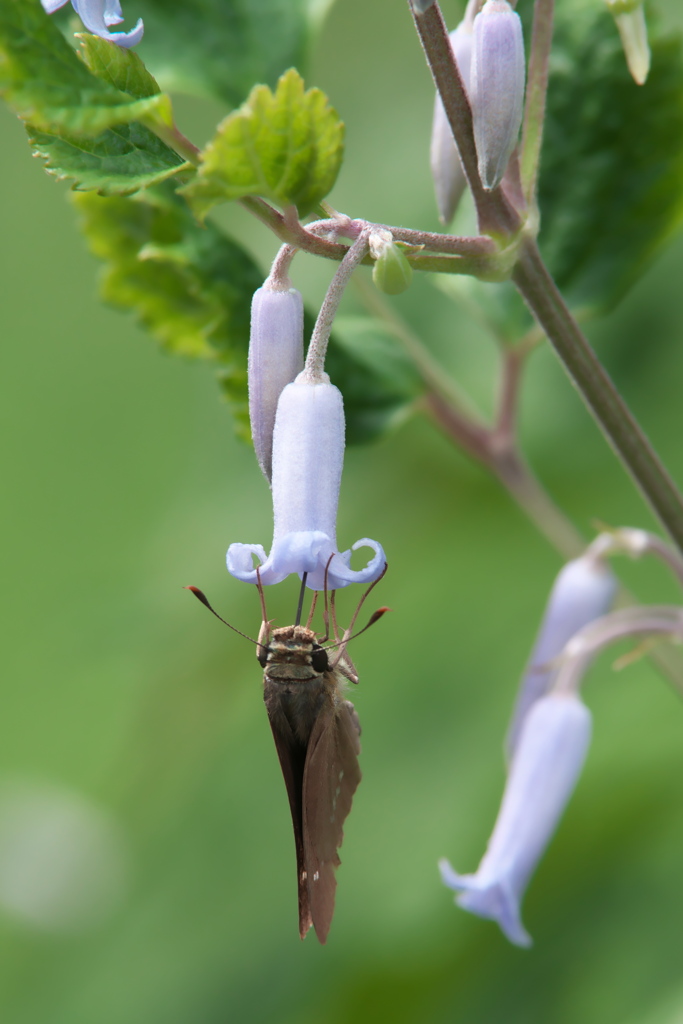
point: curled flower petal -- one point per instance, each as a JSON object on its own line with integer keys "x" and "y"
{"x": 241, "y": 563}
{"x": 308, "y": 455}
{"x": 583, "y": 591}
{"x": 97, "y": 16}
{"x": 550, "y": 755}
{"x": 304, "y": 552}
{"x": 496, "y": 87}
{"x": 113, "y": 15}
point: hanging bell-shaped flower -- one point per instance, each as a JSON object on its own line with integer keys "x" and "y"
{"x": 547, "y": 762}
{"x": 583, "y": 591}
{"x": 308, "y": 456}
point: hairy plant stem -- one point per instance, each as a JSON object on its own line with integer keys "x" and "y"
{"x": 536, "y": 91}
{"x": 460, "y": 255}
{"x": 592, "y": 381}
{"x": 174, "y": 138}
{"x": 314, "y": 368}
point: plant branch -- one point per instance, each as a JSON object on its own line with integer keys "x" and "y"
{"x": 314, "y": 368}
{"x": 537, "y": 88}
{"x": 597, "y": 390}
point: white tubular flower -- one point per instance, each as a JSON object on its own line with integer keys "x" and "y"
{"x": 496, "y": 87}
{"x": 447, "y": 173}
{"x": 308, "y": 455}
{"x": 276, "y": 356}
{"x": 583, "y": 591}
{"x": 549, "y": 758}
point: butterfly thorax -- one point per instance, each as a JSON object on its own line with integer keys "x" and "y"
{"x": 294, "y": 691}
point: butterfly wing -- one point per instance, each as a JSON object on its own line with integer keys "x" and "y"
{"x": 292, "y": 757}
{"x": 331, "y": 777}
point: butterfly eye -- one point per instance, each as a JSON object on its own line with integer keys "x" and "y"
{"x": 262, "y": 655}
{"x": 319, "y": 659}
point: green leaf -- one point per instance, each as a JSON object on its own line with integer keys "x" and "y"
{"x": 612, "y": 164}
{"x": 119, "y": 66}
{"x": 285, "y": 146}
{"x": 378, "y": 381}
{"x": 191, "y": 286}
{"x": 220, "y": 48}
{"x": 46, "y": 83}
{"x": 119, "y": 161}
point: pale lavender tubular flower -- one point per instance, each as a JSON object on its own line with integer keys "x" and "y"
{"x": 308, "y": 455}
{"x": 276, "y": 356}
{"x": 98, "y": 16}
{"x": 447, "y": 173}
{"x": 583, "y": 591}
{"x": 550, "y": 755}
{"x": 496, "y": 88}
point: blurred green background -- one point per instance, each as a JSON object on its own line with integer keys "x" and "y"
{"x": 146, "y": 860}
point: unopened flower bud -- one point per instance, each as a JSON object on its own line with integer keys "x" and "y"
{"x": 276, "y": 356}
{"x": 547, "y": 763}
{"x": 447, "y": 173}
{"x": 629, "y": 16}
{"x": 391, "y": 273}
{"x": 583, "y": 591}
{"x": 496, "y": 88}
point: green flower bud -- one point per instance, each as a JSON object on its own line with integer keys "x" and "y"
{"x": 391, "y": 273}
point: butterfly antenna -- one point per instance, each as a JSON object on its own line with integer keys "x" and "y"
{"x": 349, "y": 628}
{"x": 375, "y": 617}
{"x": 348, "y": 634}
{"x": 201, "y": 596}
{"x": 300, "y": 606}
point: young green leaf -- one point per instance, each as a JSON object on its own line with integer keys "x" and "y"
{"x": 48, "y": 86}
{"x": 285, "y": 146}
{"x": 119, "y": 161}
{"x": 119, "y": 66}
{"x": 612, "y": 166}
